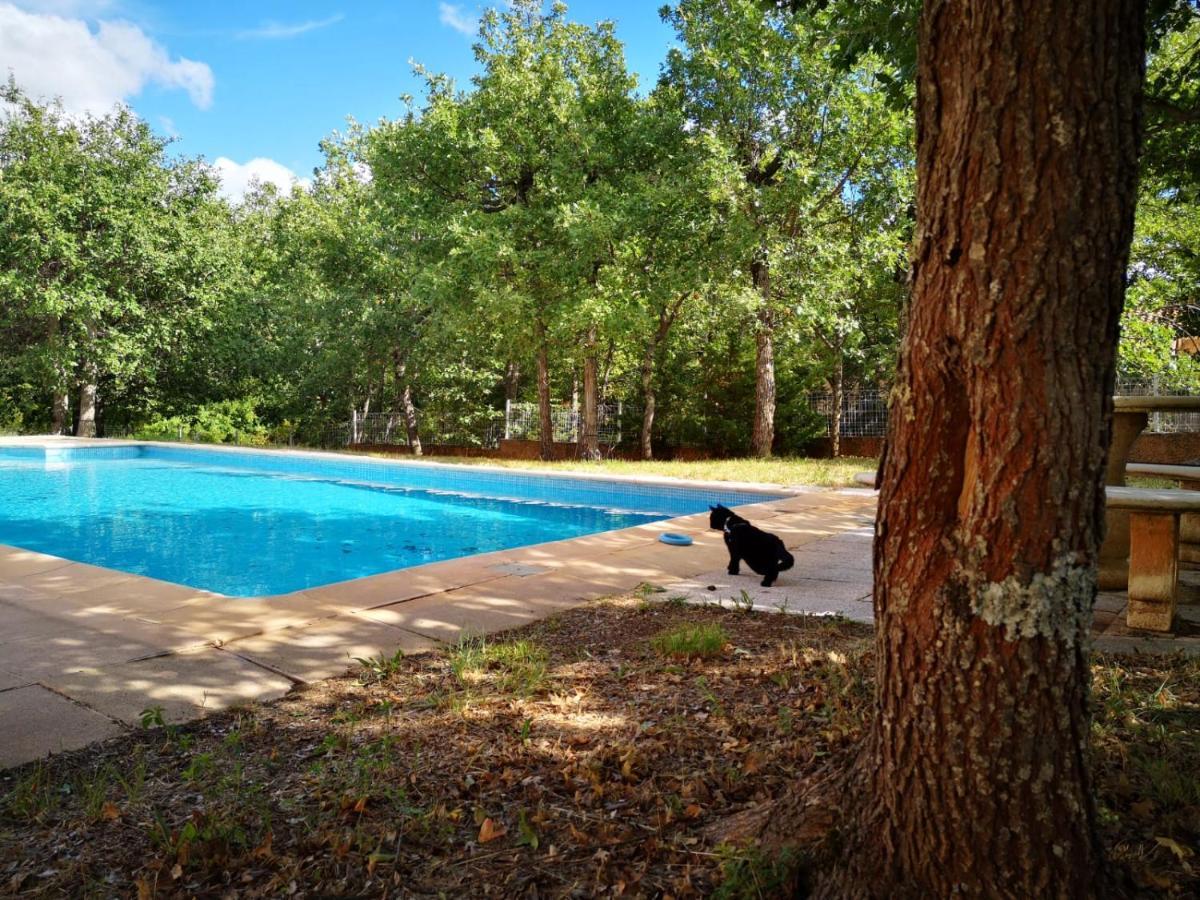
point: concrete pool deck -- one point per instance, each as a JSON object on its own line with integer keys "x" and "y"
{"x": 84, "y": 650}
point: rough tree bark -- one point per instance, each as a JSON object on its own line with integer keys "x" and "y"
{"x": 590, "y": 439}
{"x": 545, "y": 419}
{"x": 975, "y": 780}
{"x": 763, "y": 435}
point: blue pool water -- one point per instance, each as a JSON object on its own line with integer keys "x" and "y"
{"x": 247, "y": 523}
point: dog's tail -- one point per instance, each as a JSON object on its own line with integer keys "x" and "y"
{"x": 786, "y": 561}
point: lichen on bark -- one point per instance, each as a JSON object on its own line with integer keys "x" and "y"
{"x": 1055, "y": 604}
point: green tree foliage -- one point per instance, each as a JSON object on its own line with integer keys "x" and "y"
{"x": 112, "y": 254}
{"x": 705, "y": 250}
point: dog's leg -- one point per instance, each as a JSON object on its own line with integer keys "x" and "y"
{"x": 734, "y": 562}
{"x": 769, "y": 577}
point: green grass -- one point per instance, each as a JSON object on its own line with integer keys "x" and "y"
{"x": 782, "y": 470}
{"x": 515, "y": 667}
{"x": 691, "y": 641}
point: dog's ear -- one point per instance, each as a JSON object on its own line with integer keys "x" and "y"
{"x": 710, "y": 506}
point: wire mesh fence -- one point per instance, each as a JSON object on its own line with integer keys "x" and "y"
{"x": 482, "y": 429}
{"x": 523, "y": 422}
{"x": 1162, "y": 421}
{"x": 864, "y": 411}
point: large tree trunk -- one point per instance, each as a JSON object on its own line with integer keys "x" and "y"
{"x": 975, "y": 780}
{"x": 763, "y": 436}
{"x": 545, "y": 418}
{"x": 590, "y": 439}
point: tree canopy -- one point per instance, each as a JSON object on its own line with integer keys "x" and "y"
{"x": 701, "y": 251}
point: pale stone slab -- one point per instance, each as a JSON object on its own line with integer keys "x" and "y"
{"x": 810, "y": 596}
{"x": 186, "y": 685}
{"x": 35, "y": 722}
{"x": 75, "y": 579}
{"x": 522, "y": 570}
{"x": 10, "y": 680}
{"x": 327, "y": 648}
{"x": 447, "y": 618}
{"x": 46, "y": 656}
{"x": 16, "y": 563}
{"x": 228, "y": 618}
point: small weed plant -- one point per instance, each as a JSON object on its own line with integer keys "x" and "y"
{"x": 691, "y": 642}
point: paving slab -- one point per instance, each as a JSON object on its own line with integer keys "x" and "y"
{"x": 807, "y": 596}
{"x": 327, "y": 648}
{"x": 35, "y": 722}
{"x": 10, "y": 680}
{"x": 228, "y": 618}
{"x": 449, "y": 617}
{"x": 80, "y": 649}
{"x": 17, "y": 563}
{"x": 185, "y": 685}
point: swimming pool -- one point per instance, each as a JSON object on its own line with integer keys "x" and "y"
{"x": 248, "y": 523}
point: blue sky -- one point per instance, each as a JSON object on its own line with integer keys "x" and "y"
{"x": 254, "y": 85}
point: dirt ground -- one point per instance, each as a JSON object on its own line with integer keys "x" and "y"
{"x": 581, "y": 756}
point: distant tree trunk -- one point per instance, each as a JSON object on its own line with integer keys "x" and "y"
{"x": 974, "y": 780}
{"x": 839, "y": 395}
{"x": 607, "y": 369}
{"x": 60, "y": 400}
{"x": 86, "y": 424}
{"x": 545, "y": 417}
{"x": 60, "y": 411}
{"x": 590, "y": 439}
{"x": 512, "y": 381}
{"x": 666, "y": 318}
{"x": 763, "y": 436}
{"x": 648, "y": 399}
{"x": 409, "y": 410}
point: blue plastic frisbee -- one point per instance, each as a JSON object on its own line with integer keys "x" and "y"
{"x": 679, "y": 540}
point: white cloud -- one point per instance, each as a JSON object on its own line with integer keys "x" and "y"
{"x": 91, "y": 70}
{"x": 452, "y": 15}
{"x": 282, "y": 30}
{"x": 74, "y": 8}
{"x": 237, "y": 179}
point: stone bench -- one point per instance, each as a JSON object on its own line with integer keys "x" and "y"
{"x": 1188, "y": 478}
{"x": 1153, "y": 550}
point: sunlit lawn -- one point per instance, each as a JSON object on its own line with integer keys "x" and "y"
{"x": 783, "y": 470}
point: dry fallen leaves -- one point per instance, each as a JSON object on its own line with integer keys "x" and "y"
{"x": 490, "y": 830}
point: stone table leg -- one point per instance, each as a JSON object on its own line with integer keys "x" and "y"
{"x": 1114, "y": 553}
{"x": 1153, "y": 570}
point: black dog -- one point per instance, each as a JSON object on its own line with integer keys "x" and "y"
{"x": 764, "y": 553}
